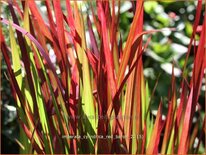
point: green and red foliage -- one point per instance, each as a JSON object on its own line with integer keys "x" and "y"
{"x": 94, "y": 98}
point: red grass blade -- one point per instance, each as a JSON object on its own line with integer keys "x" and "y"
{"x": 61, "y": 38}
{"x": 70, "y": 17}
{"x": 199, "y": 66}
{"x": 196, "y": 22}
{"x": 130, "y": 39}
{"x": 93, "y": 61}
{"x": 170, "y": 115}
{"x": 92, "y": 38}
{"x": 39, "y": 19}
{"x": 107, "y": 52}
{"x": 186, "y": 124}
{"x": 155, "y": 137}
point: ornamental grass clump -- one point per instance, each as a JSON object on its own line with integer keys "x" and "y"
{"x": 91, "y": 96}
